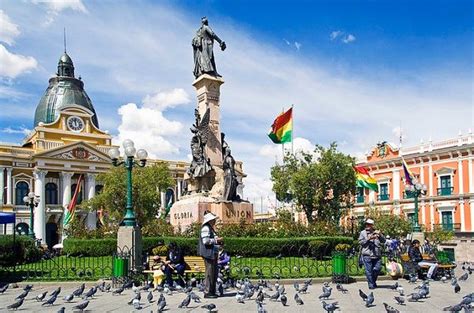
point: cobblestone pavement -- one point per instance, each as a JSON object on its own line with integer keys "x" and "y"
{"x": 441, "y": 295}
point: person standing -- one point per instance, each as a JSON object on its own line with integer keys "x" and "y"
{"x": 209, "y": 248}
{"x": 371, "y": 242}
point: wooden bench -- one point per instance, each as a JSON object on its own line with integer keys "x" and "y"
{"x": 408, "y": 265}
{"x": 194, "y": 265}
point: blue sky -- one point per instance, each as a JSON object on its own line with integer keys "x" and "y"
{"x": 355, "y": 70}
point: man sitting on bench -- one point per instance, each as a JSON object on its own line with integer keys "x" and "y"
{"x": 174, "y": 264}
{"x": 416, "y": 257}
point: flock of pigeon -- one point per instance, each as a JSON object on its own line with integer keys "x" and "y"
{"x": 245, "y": 291}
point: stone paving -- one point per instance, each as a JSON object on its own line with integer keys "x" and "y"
{"x": 441, "y": 295}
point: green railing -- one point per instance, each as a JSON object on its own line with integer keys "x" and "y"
{"x": 449, "y": 226}
{"x": 446, "y": 191}
{"x": 383, "y": 197}
{"x": 360, "y": 199}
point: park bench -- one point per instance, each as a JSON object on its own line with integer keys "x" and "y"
{"x": 194, "y": 265}
{"x": 410, "y": 268}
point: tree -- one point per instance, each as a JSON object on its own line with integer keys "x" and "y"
{"x": 147, "y": 184}
{"x": 394, "y": 225}
{"x": 322, "y": 182}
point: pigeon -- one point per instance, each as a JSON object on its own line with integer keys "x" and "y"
{"x": 325, "y": 295}
{"x": 390, "y": 309}
{"x": 56, "y": 292}
{"x": 78, "y": 292}
{"x": 454, "y": 308}
{"x": 127, "y": 285}
{"x": 463, "y": 277}
{"x": 161, "y": 306}
{"x": 303, "y": 289}
{"x": 3, "y": 289}
{"x": 41, "y": 297}
{"x": 400, "y": 300}
{"x": 118, "y": 291}
{"x": 413, "y": 279}
{"x": 414, "y": 297}
{"x": 330, "y": 307}
{"x": 283, "y": 300}
{"x": 62, "y": 310}
{"x": 209, "y": 307}
{"x": 260, "y": 308}
{"x": 138, "y": 296}
{"x": 298, "y": 300}
{"x": 368, "y": 299}
{"x": 457, "y": 288}
{"x": 89, "y": 294}
{"x": 394, "y": 286}
{"x": 444, "y": 279}
{"x": 107, "y": 288}
{"x": 185, "y": 302}
{"x": 297, "y": 286}
{"x": 16, "y": 305}
{"x": 81, "y": 306}
{"x": 424, "y": 292}
{"x": 240, "y": 298}
{"x": 50, "y": 301}
{"x": 28, "y": 287}
{"x": 136, "y": 304}
{"x": 69, "y": 298}
{"x": 275, "y": 296}
{"x": 149, "y": 297}
{"x": 340, "y": 288}
{"x": 400, "y": 290}
{"x": 308, "y": 282}
{"x": 22, "y": 295}
{"x": 161, "y": 298}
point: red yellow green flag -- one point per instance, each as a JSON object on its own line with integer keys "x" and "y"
{"x": 71, "y": 208}
{"x": 282, "y": 127}
{"x": 364, "y": 179}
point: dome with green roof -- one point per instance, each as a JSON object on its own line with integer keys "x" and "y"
{"x": 63, "y": 90}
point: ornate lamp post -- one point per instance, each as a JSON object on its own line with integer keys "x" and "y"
{"x": 129, "y": 162}
{"x": 32, "y": 201}
{"x": 416, "y": 190}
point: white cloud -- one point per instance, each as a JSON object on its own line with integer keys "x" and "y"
{"x": 287, "y": 42}
{"x": 149, "y": 128}
{"x": 13, "y": 65}
{"x": 349, "y": 38}
{"x": 297, "y": 45}
{"x": 335, "y": 34}
{"x": 60, "y": 5}
{"x": 20, "y": 130}
{"x": 8, "y": 30}
{"x": 275, "y": 151}
{"x": 164, "y": 100}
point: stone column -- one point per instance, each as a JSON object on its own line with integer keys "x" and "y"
{"x": 9, "y": 185}
{"x": 208, "y": 94}
{"x": 90, "y": 187}
{"x": 40, "y": 210}
{"x": 461, "y": 191}
{"x": 163, "y": 199}
{"x": 396, "y": 184}
{"x": 66, "y": 193}
{"x": 178, "y": 194}
{"x": 2, "y": 187}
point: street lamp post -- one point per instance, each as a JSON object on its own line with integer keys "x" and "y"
{"x": 416, "y": 189}
{"x": 32, "y": 201}
{"x": 129, "y": 162}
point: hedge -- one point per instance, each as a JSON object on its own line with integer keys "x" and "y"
{"x": 247, "y": 247}
{"x": 23, "y": 250}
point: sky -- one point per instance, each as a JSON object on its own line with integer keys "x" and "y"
{"x": 356, "y": 71}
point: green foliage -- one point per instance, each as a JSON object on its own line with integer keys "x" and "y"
{"x": 90, "y": 247}
{"x": 318, "y": 248}
{"x": 18, "y": 252}
{"x": 160, "y": 250}
{"x": 157, "y": 228}
{"x": 439, "y": 235}
{"x": 77, "y": 229}
{"x": 322, "y": 183}
{"x": 343, "y": 247}
{"x": 147, "y": 183}
{"x": 393, "y": 225}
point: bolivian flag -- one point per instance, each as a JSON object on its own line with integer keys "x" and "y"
{"x": 364, "y": 179}
{"x": 281, "y": 129}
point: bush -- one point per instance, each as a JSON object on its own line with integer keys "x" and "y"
{"x": 318, "y": 248}
{"x": 248, "y": 247}
{"x": 22, "y": 251}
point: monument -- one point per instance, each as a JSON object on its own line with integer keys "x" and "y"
{"x": 211, "y": 182}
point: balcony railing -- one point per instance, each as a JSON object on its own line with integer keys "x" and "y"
{"x": 383, "y": 197}
{"x": 360, "y": 199}
{"x": 449, "y": 226}
{"x": 446, "y": 191}
{"x": 408, "y": 195}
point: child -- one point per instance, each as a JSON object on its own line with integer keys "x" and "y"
{"x": 158, "y": 274}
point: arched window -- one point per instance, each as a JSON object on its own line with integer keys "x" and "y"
{"x": 169, "y": 198}
{"x": 20, "y": 192}
{"x": 79, "y": 196}
{"x": 51, "y": 190}
{"x": 98, "y": 189}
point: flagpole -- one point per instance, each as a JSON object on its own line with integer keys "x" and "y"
{"x": 292, "y": 127}
{"x": 283, "y": 144}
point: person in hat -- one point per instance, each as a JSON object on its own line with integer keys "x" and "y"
{"x": 209, "y": 248}
{"x": 371, "y": 243}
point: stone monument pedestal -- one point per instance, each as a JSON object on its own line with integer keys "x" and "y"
{"x": 129, "y": 240}
{"x": 418, "y": 235}
{"x": 190, "y": 209}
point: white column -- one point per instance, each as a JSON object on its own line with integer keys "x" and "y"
{"x": 423, "y": 204}
{"x": 430, "y": 180}
{"x": 66, "y": 185}
{"x": 40, "y": 210}
{"x": 461, "y": 191}
{"x": 470, "y": 174}
{"x": 90, "y": 187}
{"x": 178, "y": 195}
{"x": 396, "y": 184}
{"x": 9, "y": 185}
{"x": 432, "y": 218}
{"x": 2, "y": 187}
{"x": 163, "y": 199}
{"x": 371, "y": 196}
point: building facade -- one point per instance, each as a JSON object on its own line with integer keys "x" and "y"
{"x": 66, "y": 142}
{"x": 446, "y": 168}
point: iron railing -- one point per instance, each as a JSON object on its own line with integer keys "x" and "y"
{"x": 445, "y": 191}
{"x": 360, "y": 199}
{"x": 449, "y": 226}
{"x": 383, "y": 197}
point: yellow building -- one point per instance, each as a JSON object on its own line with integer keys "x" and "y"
{"x": 66, "y": 142}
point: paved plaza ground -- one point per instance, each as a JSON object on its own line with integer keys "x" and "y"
{"x": 441, "y": 295}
